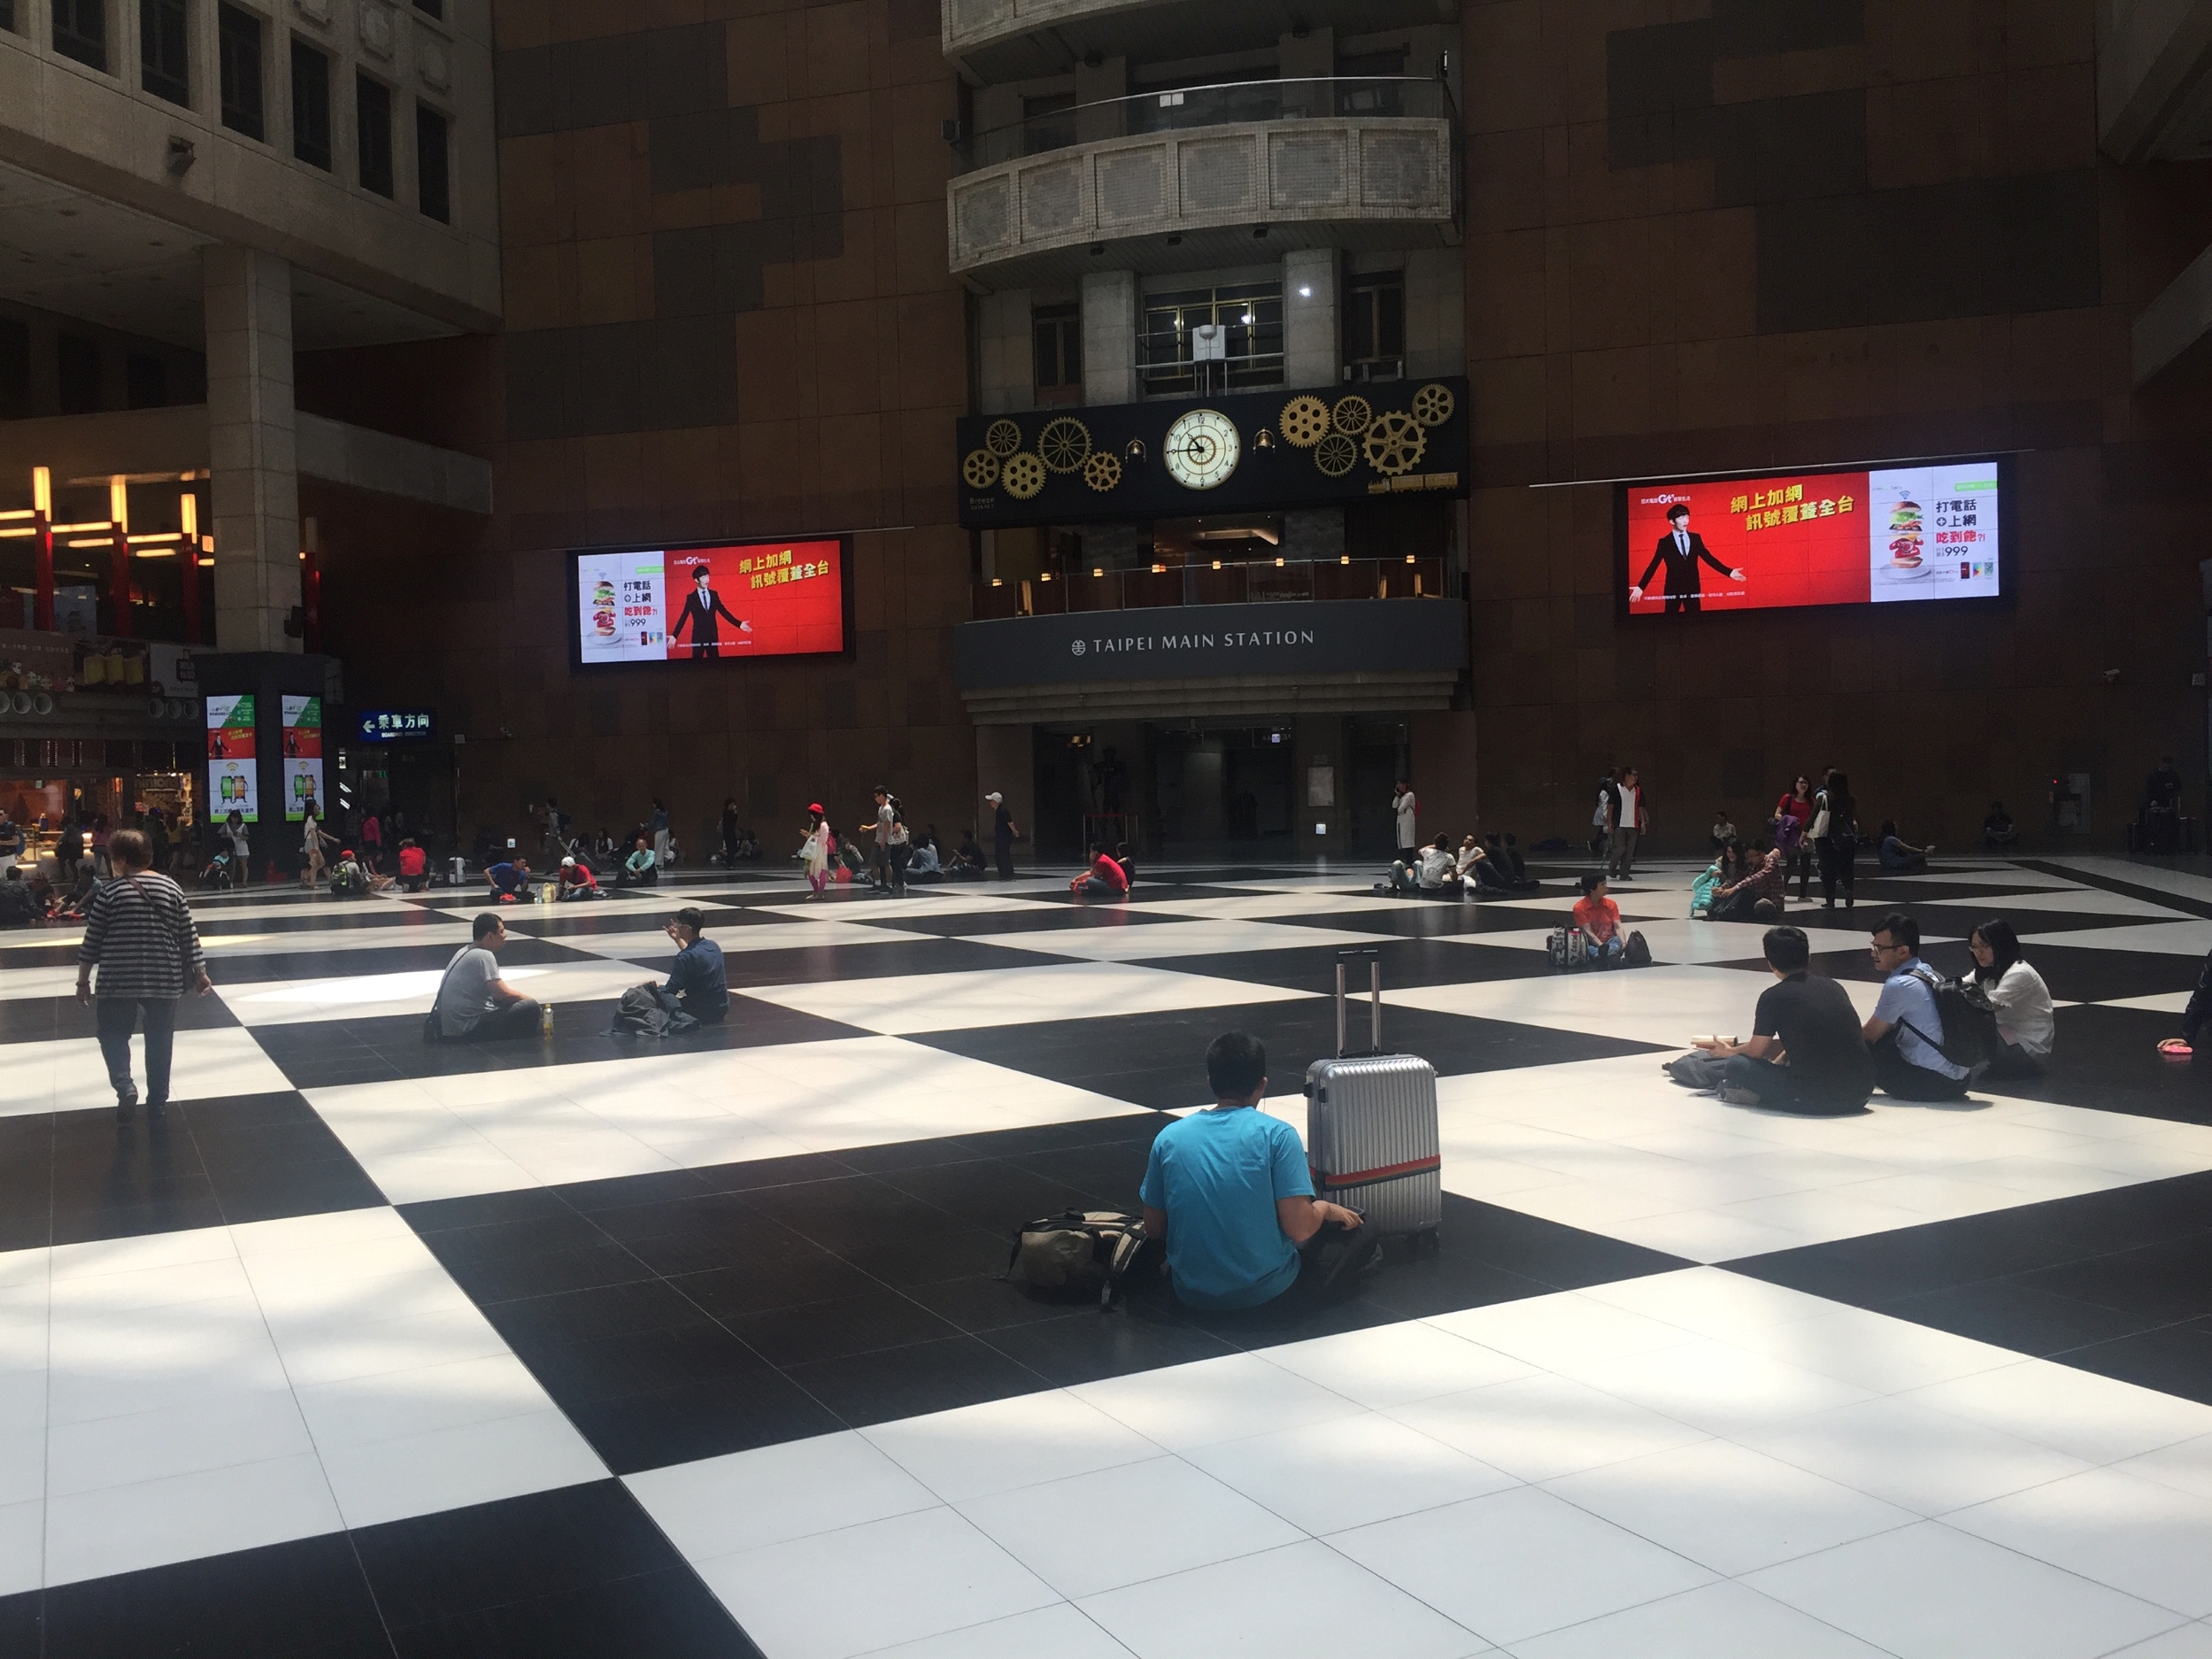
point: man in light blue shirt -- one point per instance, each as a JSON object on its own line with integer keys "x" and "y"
{"x": 1904, "y": 1031}
{"x": 1227, "y": 1190}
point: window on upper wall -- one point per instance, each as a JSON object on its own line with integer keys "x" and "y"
{"x": 78, "y": 383}
{"x": 7, "y": 16}
{"x": 238, "y": 54}
{"x": 80, "y": 31}
{"x": 434, "y": 190}
{"x": 432, "y": 9}
{"x": 310, "y": 105}
{"x": 373, "y": 133}
{"x": 163, "y": 63}
{"x": 1056, "y": 351}
{"x": 145, "y": 382}
{"x": 1246, "y": 351}
{"x": 1375, "y": 325}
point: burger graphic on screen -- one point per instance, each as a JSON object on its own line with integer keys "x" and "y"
{"x": 1904, "y": 535}
{"x": 603, "y": 609}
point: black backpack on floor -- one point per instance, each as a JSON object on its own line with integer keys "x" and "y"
{"x": 1969, "y": 1023}
{"x": 1077, "y": 1253}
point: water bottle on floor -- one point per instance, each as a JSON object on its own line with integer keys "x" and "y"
{"x": 545, "y": 1021}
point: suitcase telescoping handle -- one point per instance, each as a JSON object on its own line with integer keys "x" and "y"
{"x": 1374, "y": 999}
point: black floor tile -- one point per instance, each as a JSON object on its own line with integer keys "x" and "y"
{"x": 1090, "y": 1344}
{"x": 2012, "y": 1313}
{"x": 282, "y": 1601}
{"x": 925, "y": 1377}
{"x": 2174, "y": 1360}
{"x": 666, "y": 1614}
{"x": 435, "y": 1567}
{"x": 807, "y": 1274}
{"x": 698, "y": 1420}
{"x": 237, "y": 969}
{"x": 894, "y": 959}
{"x": 2161, "y": 1284}
{"x": 811, "y": 1332}
{"x": 50, "y": 1019}
{"x": 1158, "y": 1060}
{"x": 982, "y": 923}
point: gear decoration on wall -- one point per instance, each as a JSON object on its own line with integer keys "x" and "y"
{"x": 1304, "y": 421}
{"x": 1432, "y": 404}
{"x": 1352, "y": 414}
{"x": 1395, "y": 442}
{"x": 979, "y": 468}
{"x": 1022, "y": 475}
{"x": 1335, "y": 455}
{"x": 1002, "y": 438}
{"x": 1101, "y": 472}
{"x": 1063, "y": 443}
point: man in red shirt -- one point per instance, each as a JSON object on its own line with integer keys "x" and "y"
{"x": 577, "y": 881}
{"x": 414, "y": 867}
{"x": 1599, "y": 919}
{"x": 1105, "y": 880}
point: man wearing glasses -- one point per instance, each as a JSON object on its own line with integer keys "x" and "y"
{"x": 1904, "y": 1032}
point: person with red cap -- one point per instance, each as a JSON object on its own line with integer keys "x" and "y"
{"x": 817, "y": 850}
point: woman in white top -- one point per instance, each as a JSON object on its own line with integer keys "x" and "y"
{"x": 815, "y": 852}
{"x": 2025, "y": 1019}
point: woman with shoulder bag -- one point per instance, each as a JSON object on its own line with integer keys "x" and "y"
{"x": 1792, "y": 821}
{"x": 1836, "y": 840}
{"x": 138, "y": 932}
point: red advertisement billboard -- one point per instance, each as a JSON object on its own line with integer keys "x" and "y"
{"x": 710, "y": 603}
{"x": 1885, "y": 534}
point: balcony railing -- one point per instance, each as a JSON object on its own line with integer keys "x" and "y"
{"x": 1259, "y": 582}
{"x": 1225, "y": 104}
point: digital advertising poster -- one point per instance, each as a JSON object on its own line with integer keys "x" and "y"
{"x": 711, "y": 603}
{"x": 1879, "y": 537}
{"x": 303, "y": 756}
{"x": 231, "y": 785}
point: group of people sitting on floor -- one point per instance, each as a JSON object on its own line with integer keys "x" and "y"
{"x": 474, "y": 1004}
{"x": 1466, "y": 868}
{"x": 1809, "y": 1051}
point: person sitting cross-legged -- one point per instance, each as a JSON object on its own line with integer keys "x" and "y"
{"x": 697, "y": 983}
{"x": 1228, "y": 1190}
{"x": 1805, "y": 1053}
{"x": 1905, "y": 1032}
{"x": 473, "y": 1003}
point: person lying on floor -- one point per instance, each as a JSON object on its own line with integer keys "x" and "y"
{"x": 1228, "y": 1190}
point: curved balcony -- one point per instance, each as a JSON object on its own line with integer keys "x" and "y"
{"x": 1195, "y": 176}
{"x": 998, "y": 41}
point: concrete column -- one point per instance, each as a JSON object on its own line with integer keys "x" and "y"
{"x": 1109, "y": 336}
{"x": 252, "y": 448}
{"x": 1107, "y": 81}
{"x": 1312, "y": 58}
{"x": 1006, "y": 368}
{"x": 1309, "y": 317}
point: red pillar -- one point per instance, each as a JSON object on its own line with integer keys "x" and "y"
{"x": 310, "y": 598}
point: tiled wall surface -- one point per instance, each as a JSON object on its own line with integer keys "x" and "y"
{"x": 1772, "y": 233}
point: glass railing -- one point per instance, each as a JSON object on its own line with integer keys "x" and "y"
{"x": 1255, "y": 583}
{"x": 1217, "y": 105}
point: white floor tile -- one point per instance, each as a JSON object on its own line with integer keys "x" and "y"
{"x": 834, "y": 1594}
{"x": 1518, "y": 1564}
{"x": 1011, "y": 996}
{"x": 1228, "y": 1398}
{"x": 2096, "y": 1418}
{"x": 1191, "y": 1520}
{"x": 1726, "y": 1507}
{"x": 1929, "y": 1591}
{"x": 391, "y": 1405}
{"x": 1719, "y": 1387}
{"x": 2186, "y": 1466}
{"x": 1715, "y": 1621}
{"x": 1348, "y": 1472}
{"x": 211, "y": 1512}
{"x": 1303, "y": 1599}
{"x": 775, "y": 1494}
{"x": 1911, "y": 1454}
{"x": 22, "y": 1546}
{"x": 2189, "y": 1641}
{"x": 212, "y": 1432}
{"x": 1874, "y": 1352}
{"x": 1541, "y": 1427}
{"x": 1004, "y": 1444}
{"x": 2140, "y": 1537}
{"x": 451, "y": 1468}
{"x": 1060, "y": 1631}
{"x": 1559, "y": 1331}
{"x": 1393, "y": 1365}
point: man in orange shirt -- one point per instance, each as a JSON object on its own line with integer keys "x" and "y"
{"x": 1600, "y": 920}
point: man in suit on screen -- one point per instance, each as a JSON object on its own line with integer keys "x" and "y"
{"x": 700, "y": 613}
{"x": 1681, "y": 552}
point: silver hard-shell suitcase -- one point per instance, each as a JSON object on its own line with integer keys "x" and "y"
{"x": 1371, "y": 1140}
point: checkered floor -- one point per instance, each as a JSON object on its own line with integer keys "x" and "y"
{"x": 577, "y": 1347}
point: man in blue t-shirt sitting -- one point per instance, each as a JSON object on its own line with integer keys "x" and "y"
{"x": 1227, "y": 1190}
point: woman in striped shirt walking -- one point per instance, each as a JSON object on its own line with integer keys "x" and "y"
{"x": 138, "y": 931}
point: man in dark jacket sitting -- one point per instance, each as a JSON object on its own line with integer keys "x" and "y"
{"x": 696, "y": 984}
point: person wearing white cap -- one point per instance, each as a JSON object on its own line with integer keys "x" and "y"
{"x": 577, "y": 881}
{"x": 1002, "y": 834}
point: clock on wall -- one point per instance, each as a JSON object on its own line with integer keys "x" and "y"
{"x": 1201, "y": 449}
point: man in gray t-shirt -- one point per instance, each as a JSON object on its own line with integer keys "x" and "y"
{"x": 474, "y": 1004}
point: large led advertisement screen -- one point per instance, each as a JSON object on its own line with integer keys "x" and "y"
{"x": 232, "y": 784}
{"x": 1908, "y": 533}
{"x": 710, "y": 603}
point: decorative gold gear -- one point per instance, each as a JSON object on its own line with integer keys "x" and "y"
{"x": 1021, "y": 475}
{"x": 1063, "y": 443}
{"x": 1002, "y": 438}
{"x": 1335, "y": 455}
{"x": 979, "y": 468}
{"x": 1304, "y": 421}
{"x": 1101, "y": 472}
{"x": 1433, "y": 404}
{"x": 1352, "y": 414}
{"x": 1395, "y": 442}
